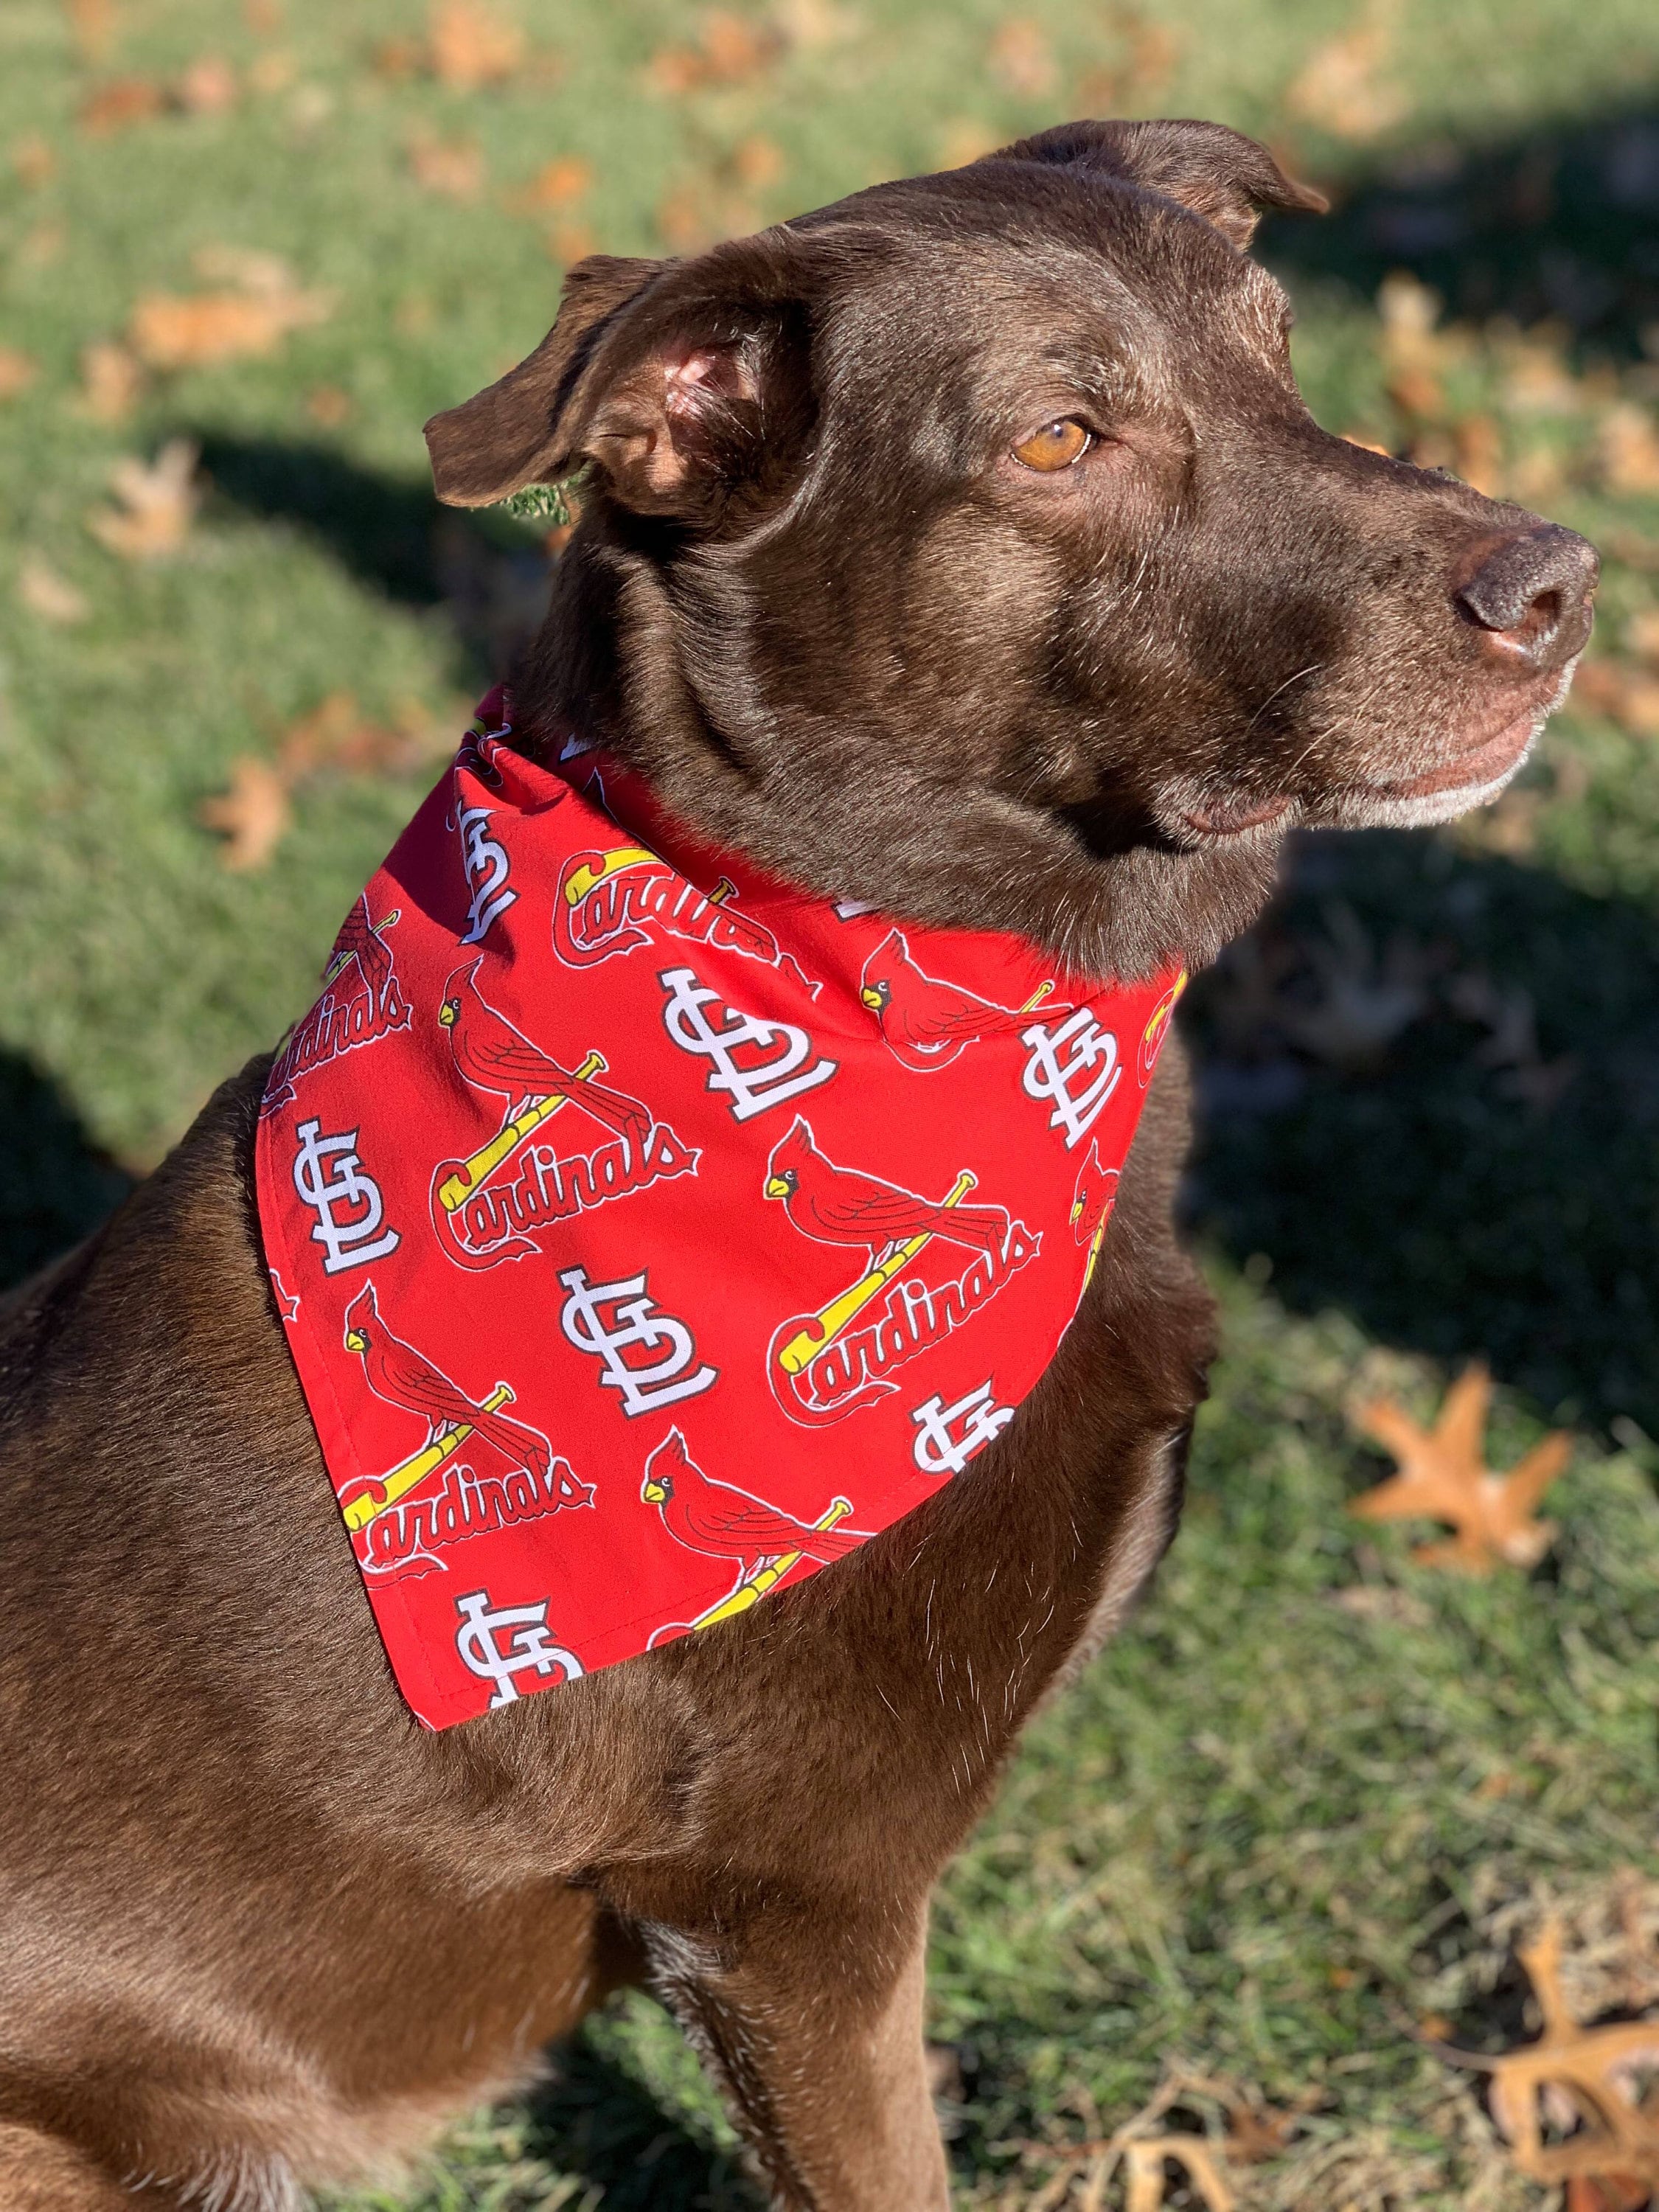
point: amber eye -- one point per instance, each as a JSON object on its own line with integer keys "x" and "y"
{"x": 1056, "y": 445}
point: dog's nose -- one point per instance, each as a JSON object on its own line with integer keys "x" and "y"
{"x": 1531, "y": 594}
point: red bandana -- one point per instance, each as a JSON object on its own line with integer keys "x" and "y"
{"x": 649, "y": 1233}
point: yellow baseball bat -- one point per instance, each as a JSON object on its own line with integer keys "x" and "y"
{"x": 339, "y": 962}
{"x": 456, "y": 1189}
{"x": 586, "y": 878}
{"x": 834, "y": 1317}
{"x": 403, "y": 1478}
{"x": 746, "y": 1593}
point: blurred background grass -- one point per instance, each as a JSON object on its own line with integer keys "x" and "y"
{"x": 1298, "y": 1808}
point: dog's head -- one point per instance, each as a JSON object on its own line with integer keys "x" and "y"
{"x": 966, "y": 547}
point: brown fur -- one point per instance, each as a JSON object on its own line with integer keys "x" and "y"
{"x": 259, "y": 1927}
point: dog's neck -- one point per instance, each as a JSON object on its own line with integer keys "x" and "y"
{"x": 821, "y": 790}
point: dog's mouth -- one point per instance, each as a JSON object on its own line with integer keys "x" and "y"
{"x": 1477, "y": 772}
{"x": 1488, "y": 761}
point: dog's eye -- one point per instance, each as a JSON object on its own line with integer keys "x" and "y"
{"x": 1056, "y": 445}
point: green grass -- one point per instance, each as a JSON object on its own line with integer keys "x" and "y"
{"x": 1303, "y": 1802}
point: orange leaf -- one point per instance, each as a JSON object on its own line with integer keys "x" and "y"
{"x": 111, "y": 380}
{"x": 327, "y": 405}
{"x": 17, "y": 372}
{"x": 45, "y": 593}
{"x": 729, "y": 49}
{"x": 1342, "y": 87}
{"x": 1611, "y": 2156}
{"x": 198, "y": 330}
{"x": 118, "y": 105}
{"x": 454, "y": 166}
{"x": 207, "y": 87}
{"x": 1628, "y": 448}
{"x": 158, "y": 503}
{"x": 93, "y": 22}
{"x": 1022, "y": 59}
{"x": 561, "y": 182}
{"x": 471, "y": 46}
{"x": 35, "y": 161}
{"x": 251, "y": 817}
{"x": 1629, "y": 696}
{"x": 1443, "y": 1476}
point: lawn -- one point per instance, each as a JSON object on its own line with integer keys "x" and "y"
{"x": 1289, "y": 1830}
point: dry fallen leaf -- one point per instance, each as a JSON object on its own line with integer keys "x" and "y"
{"x": 1478, "y": 453}
{"x": 1145, "y": 2162}
{"x": 17, "y": 372}
{"x": 254, "y": 814}
{"x": 45, "y": 593}
{"x": 1443, "y": 1476}
{"x": 1343, "y": 88}
{"x": 1573, "y": 2105}
{"x": 1413, "y": 350}
{"x": 1151, "y": 53}
{"x": 1255, "y": 2132}
{"x": 111, "y": 380}
{"x": 559, "y": 183}
{"x": 93, "y": 22}
{"x": 471, "y": 46}
{"x": 758, "y": 162}
{"x": 815, "y": 25}
{"x": 119, "y": 105}
{"x": 158, "y": 503}
{"x": 336, "y": 735}
{"x": 271, "y": 74}
{"x": 251, "y": 816}
{"x": 1628, "y": 449}
{"x": 1626, "y": 695}
{"x": 729, "y": 49}
{"x": 1021, "y": 59}
{"x": 35, "y": 161}
{"x": 207, "y": 87}
{"x": 200, "y": 330}
{"x": 327, "y": 405}
{"x": 453, "y": 166}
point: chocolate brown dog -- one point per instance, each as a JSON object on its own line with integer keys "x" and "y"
{"x": 965, "y": 547}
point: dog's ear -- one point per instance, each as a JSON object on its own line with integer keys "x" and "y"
{"x": 515, "y": 432}
{"x": 1218, "y": 174}
{"x": 679, "y": 380}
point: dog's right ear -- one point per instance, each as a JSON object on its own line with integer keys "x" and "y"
{"x": 516, "y": 431}
{"x": 681, "y": 381}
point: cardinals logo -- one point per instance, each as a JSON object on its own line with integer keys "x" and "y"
{"x": 402, "y": 1377}
{"x": 1093, "y": 1201}
{"x": 492, "y": 1206}
{"x": 821, "y": 1365}
{"x": 607, "y": 903}
{"x": 762, "y": 1542}
{"x": 1157, "y": 1028}
{"x": 927, "y": 1023}
{"x": 344, "y": 1020}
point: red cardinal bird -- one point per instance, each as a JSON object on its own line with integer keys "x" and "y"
{"x": 491, "y": 1054}
{"x": 360, "y": 941}
{"x": 927, "y": 1023}
{"x": 838, "y": 1206}
{"x": 727, "y": 1523}
{"x": 1096, "y": 1194}
{"x": 406, "y": 1377}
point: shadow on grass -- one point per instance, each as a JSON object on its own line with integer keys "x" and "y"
{"x": 55, "y": 1185}
{"x": 595, "y": 2119}
{"x": 487, "y": 573}
{"x": 1429, "y": 1095}
{"x": 1559, "y": 223}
